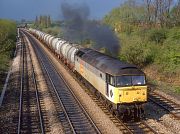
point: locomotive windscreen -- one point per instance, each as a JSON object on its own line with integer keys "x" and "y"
{"x": 130, "y": 80}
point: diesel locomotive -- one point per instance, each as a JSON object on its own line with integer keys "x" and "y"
{"x": 122, "y": 85}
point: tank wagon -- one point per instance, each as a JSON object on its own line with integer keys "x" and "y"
{"x": 122, "y": 85}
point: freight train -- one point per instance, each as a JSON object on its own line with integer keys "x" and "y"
{"x": 122, "y": 85}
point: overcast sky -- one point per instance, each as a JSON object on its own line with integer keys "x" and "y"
{"x": 29, "y": 9}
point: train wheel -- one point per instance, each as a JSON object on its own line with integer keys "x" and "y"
{"x": 137, "y": 113}
{"x": 122, "y": 116}
{"x": 142, "y": 112}
{"x": 98, "y": 95}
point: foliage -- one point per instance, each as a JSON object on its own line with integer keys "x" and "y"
{"x": 177, "y": 89}
{"x": 135, "y": 51}
{"x": 147, "y": 33}
{"x": 7, "y": 42}
{"x": 142, "y": 51}
{"x": 174, "y": 34}
{"x": 150, "y": 38}
{"x": 125, "y": 17}
{"x": 168, "y": 55}
{"x": 175, "y": 15}
{"x": 157, "y": 35}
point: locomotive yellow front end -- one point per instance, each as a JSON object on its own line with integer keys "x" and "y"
{"x": 128, "y": 93}
{"x": 133, "y": 94}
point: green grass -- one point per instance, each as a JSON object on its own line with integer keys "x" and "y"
{"x": 177, "y": 89}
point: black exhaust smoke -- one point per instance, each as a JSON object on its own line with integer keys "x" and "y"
{"x": 77, "y": 27}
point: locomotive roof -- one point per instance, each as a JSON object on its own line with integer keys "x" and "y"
{"x": 108, "y": 64}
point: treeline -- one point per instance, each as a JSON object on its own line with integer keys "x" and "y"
{"x": 7, "y": 42}
{"x": 149, "y": 32}
{"x": 164, "y": 12}
{"x": 144, "y": 13}
{"x": 42, "y": 21}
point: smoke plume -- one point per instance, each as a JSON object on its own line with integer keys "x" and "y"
{"x": 78, "y": 27}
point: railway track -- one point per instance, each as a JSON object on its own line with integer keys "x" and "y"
{"x": 140, "y": 127}
{"x": 166, "y": 104}
{"x": 74, "y": 117}
{"x": 30, "y": 115}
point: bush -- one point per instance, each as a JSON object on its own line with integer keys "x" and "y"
{"x": 137, "y": 53}
{"x": 174, "y": 34}
{"x": 7, "y": 42}
{"x": 169, "y": 58}
{"x": 177, "y": 89}
{"x": 157, "y": 35}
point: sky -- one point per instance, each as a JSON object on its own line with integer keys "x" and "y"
{"x": 29, "y": 9}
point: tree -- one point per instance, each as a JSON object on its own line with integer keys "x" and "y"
{"x": 40, "y": 20}
{"x": 148, "y": 3}
{"x": 126, "y": 17}
{"x": 36, "y": 21}
{"x": 147, "y": 14}
{"x": 43, "y": 21}
{"x": 162, "y": 11}
{"x": 48, "y": 21}
{"x": 175, "y": 15}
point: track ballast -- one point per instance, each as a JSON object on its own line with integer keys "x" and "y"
{"x": 74, "y": 117}
{"x": 30, "y": 114}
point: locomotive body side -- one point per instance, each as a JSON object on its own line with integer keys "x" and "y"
{"x": 94, "y": 76}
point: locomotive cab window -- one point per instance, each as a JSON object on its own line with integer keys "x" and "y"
{"x": 130, "y": 80}
{"x": 110, "y": 79}
{"x": 80, "y": 53}
{"x": 138, "y": 80}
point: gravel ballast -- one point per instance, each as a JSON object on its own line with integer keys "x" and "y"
{"x": 54, "y": 123}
